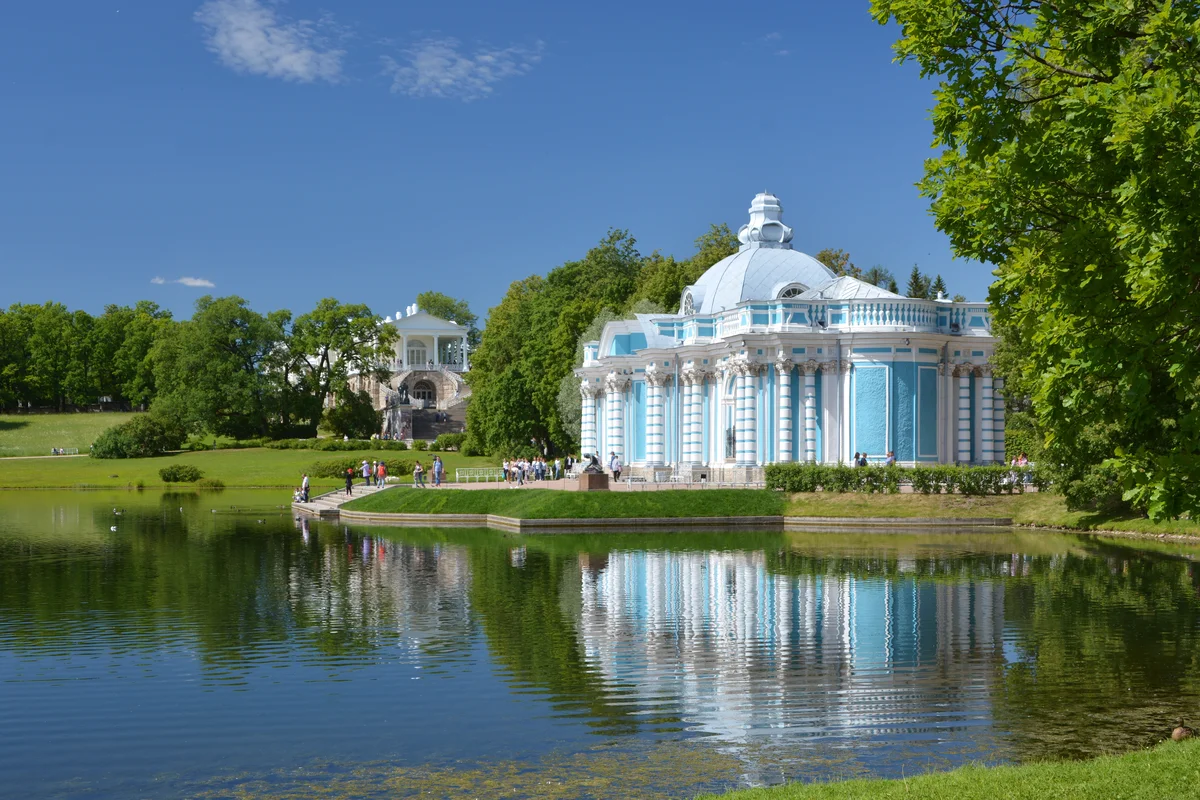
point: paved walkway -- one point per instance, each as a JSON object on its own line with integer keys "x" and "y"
{"x": 328, "y": 504}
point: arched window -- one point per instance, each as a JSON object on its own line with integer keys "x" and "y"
{"x": 791, "y": 290}
{"x": 424, "y": 391}
{"x": 689, "y": 305}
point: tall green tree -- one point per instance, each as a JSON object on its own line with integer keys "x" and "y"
{"x": 133, "y": 366}
{"x": 918, "y": 283}
{"x": 1069, "y": 143}
{"x": 212, "y": 370}
{"x": 335, "y": 341}
{"x": 49, "y": 346}
{"x": 879, "y": 276}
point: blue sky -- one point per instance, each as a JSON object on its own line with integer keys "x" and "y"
{"x": 369, "y": 150}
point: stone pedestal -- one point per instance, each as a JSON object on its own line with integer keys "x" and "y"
{"x": 593, "y": 482}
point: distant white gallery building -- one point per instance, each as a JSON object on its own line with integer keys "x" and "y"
{"x": 430, "y": 358}
{"x": 774, "y": 358}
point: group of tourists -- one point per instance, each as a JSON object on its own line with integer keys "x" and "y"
{"x": 374, "y": 473}
{"x": 517, "y": 471}
{"x": 437, "y": 468}
{"x": 860, "y": 459}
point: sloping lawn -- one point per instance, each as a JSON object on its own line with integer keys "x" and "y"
{"x": 254, "y": 467}
{"x": 550, "y": 504}
{"x": 37, "y": 434}
{"x": 1171, "y": 770}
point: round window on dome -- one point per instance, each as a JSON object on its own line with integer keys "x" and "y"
{"x": 689, "y": 305}
{"x": 791, "y": 290}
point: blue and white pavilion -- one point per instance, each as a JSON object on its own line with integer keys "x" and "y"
{"x": 774, "y": 358}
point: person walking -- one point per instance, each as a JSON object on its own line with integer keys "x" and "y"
{"x": 304, "y": 488}
{"x": 381, "y": 473}
{"x": 557, "y": 469}
{"x": 349, "y": 481}
{"x": 614, "y": 464}
{"x": 418, "y": 475}
{"x": 854, "y": 461}
{"x": 438, "y": 468}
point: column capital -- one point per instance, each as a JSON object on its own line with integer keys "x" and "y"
{"x": 810, "y": 366}
{"x": 616, "y": 382}
{"x": 941, "y": 368}
{"x": 846, "y": 364}
{"x": 784, "y": 365}
{"x": 963, "y": 370}
{"x": 984, "y": 371}
{"x": 588, "y": 389}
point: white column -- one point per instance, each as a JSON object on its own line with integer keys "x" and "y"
{"x": 844, "y": 421}
{"x": 614, "y": 386}
{"x": 463, "y": 354}
{"x": 747, "y": 416}
{"x": 998, "y": 419}
{"x": 985, "y": 403}
{"x": 783, "y": 378}
{"x": 404, "y": 340}
{"x": 964, "y": 412}
{"x": 655, "y": 441}
{"x": 690, "y": 451}
{"x": 810, "y": 411}
{"x": 437, "y": 357}
{"x": 587, "y": 433}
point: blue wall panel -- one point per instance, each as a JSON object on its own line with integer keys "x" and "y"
{"x": 797, "y": 443}
{"x": 635, "y": 440}
{"x": 870, "y": 409}
{"x": 904, "y": 410}
{"x": 820, "y": 429}
{"x": 927, "y": 405}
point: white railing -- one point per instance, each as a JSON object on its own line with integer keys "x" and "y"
{"x": 478, "y": 474}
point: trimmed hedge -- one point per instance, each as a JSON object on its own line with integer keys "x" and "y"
{"x": 940, "y": 479}
{"x": 336, "y": 468}
{"x": 336, "y": 445}
{"x": 180, "y": 473}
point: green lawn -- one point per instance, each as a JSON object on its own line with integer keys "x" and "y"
{"x": 37, "y": 434}
{"x": 1170, "y": 770}
{"x": 257, "y": 467}
{"x": 551, "y": 504}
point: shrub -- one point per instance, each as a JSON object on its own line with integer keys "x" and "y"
{"x": 420, "y": 444}
{"x": 888, "y": 480}
{"x": 210, "y": 483}
{"x": 141, "y": 436}
{"x": 449, "y": 441}
{"x": 180, "y": 473}
{"x": 336, "y": 468}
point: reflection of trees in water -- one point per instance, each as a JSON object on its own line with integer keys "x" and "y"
{"x": 1109, "y": 653}
{"x": 248, "y": 594}
{"x": 527, "y": 615}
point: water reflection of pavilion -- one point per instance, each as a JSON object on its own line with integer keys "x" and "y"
{"x": 742, "y": 650}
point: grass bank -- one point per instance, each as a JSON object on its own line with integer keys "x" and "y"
{"x": 1169, "y": 770}
{"x": 550, "y": 504}
{"x": 1034, "y": 509}
{"x": 252, "y": 468}
{"x": 1041, "y": 509}
{"x": 37, "y": 434}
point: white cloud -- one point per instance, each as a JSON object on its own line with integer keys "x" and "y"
{"x": 204, "y": 283}
{"x": 773, "y": 36}
{"x": 249, "y": 36}
{"x": 437, "y": 68}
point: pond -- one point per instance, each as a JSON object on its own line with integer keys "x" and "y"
{"x": 211, "y": 645}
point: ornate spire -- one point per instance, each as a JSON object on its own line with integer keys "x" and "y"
{"x": 766, "y": 228}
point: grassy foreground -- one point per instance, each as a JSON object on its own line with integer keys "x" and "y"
{"x": 1168, "y": 771}
{"x": 550, "y": 504}
{"x": 252, "y": 468}
{"x": 37, "y": 434}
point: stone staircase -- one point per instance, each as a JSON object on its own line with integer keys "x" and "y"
{"x": 328, "y": 505}
{"x": 425, "y": 428}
